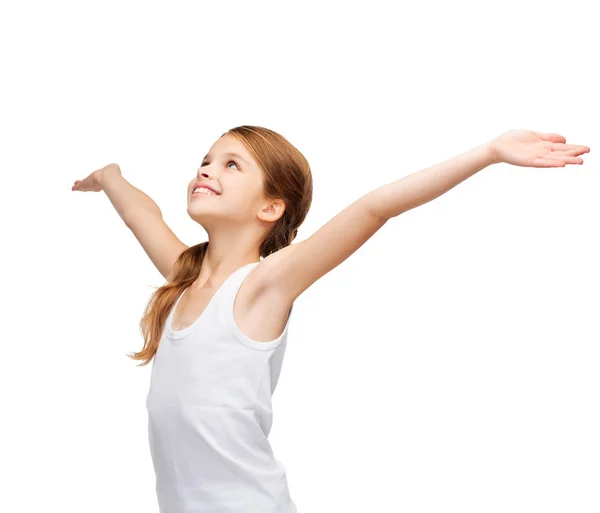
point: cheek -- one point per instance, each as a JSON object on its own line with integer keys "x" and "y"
{"x": 251, "y": 199}
{"x": 237, "y": 198}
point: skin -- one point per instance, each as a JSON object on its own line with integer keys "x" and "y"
{"x": 238, "y": 220}
{"x": 295, "y": 268}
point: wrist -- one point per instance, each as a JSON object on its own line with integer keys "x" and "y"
{"x": 101, "y": 175}
{"x": 491, "y": 152}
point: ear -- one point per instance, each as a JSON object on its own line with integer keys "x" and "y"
{"x": 272, "y": 210}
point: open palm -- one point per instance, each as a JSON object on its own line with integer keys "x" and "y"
{"x": 536, "y": 149}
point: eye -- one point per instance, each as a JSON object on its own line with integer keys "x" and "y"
{"x": 231, "y": 161}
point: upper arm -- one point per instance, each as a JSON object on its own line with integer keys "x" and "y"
{"x": 159, "y": 242}
{"x": 295, "y": 268}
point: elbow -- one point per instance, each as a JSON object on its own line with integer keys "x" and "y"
{"x": 378, "y": 213}
{"x": 380, "y": 205}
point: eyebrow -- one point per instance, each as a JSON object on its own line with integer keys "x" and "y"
{"x": 229, "y": 154}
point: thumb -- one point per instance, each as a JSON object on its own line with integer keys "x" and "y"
{"x": 551, "y": 137}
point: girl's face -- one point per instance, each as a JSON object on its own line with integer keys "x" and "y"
{"x": 231, "y": 171}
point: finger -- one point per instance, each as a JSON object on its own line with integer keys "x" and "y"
{"x": 577, "y": 149}
{"x": 556, "y": 138}
{"x": 561, "y": 154}
{"x": 570, "y": 160}
{"x": 546, "y": 162}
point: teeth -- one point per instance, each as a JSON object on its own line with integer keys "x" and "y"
{"x": 204, "y": 190}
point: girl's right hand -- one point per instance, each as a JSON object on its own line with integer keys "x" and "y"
{"x": 92, "y": 182}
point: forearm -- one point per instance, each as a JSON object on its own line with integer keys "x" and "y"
{"x": 416, "y": 189}
{"x": 124, "y": 197}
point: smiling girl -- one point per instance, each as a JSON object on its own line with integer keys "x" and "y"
{"x": 216, "y": 331}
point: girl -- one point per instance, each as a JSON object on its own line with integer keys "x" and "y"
{"x": 216, "y": 331}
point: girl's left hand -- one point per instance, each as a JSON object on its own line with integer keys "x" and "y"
{"x": 535, "y": 149}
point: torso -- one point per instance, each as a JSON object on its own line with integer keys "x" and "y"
{"x": 259, "y": 313}
{"x": 209, "y": 403}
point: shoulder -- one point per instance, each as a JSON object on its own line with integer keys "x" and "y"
{"x": 263, "y": 279}
{"x": 261, "y": 283}
{"x": 259, "y": 298}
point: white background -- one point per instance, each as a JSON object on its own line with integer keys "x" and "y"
{"x": 450, "y": 364}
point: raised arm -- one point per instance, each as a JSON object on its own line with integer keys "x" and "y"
{"x": 139, "y": 213}
{"x": 295, "y": 268}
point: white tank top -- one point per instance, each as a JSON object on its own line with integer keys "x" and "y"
{"x": 209, "y": 414}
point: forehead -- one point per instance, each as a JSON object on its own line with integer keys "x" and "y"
{"x": 230, "y": 146}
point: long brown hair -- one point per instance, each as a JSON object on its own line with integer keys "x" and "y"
{"x": 286, "y": 176}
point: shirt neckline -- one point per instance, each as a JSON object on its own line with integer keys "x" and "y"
{"x": 177, "y": 334}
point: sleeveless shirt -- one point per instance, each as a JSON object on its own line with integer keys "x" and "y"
{"x": 210, "y": 414}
